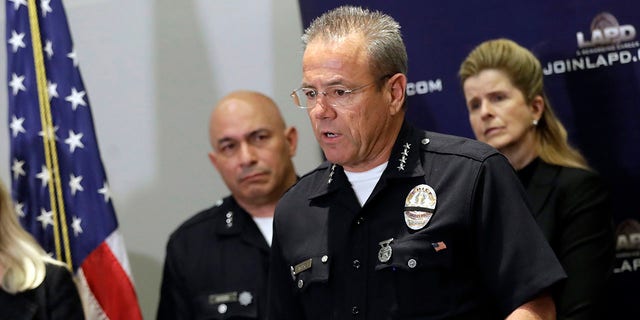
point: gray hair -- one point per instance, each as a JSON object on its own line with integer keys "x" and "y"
{"x": 381, "y": 32}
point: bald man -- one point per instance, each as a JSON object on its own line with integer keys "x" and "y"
{"x": 216, "y": 264}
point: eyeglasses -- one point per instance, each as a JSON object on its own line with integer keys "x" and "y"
{"x": 336, "y": 96}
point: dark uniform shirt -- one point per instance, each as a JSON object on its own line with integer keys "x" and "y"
{"x": 479, "y": 254}
{"x": 216, "y": 267}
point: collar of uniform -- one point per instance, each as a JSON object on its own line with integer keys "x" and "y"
{"x": 332, "y": 178}
{"x": 405, "y": 160}
{"x": 232, "y": 217}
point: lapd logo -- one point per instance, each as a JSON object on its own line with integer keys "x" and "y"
{"x": 419, "y": 206}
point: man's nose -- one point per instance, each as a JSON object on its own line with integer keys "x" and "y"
{"x": 247, "y": 154}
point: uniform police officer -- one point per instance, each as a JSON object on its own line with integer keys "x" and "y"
{"x": 217, "y": 261}
{"x": 398, "y": 223}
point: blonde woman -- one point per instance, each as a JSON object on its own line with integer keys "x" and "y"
{"x": 508, "y": 109}
{"x": 33, "y": 286}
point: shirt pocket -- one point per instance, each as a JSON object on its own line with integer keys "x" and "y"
{"x": 420, "y": 271}
{"x": 228, "y": 305}
{"x": 310, "y": 273}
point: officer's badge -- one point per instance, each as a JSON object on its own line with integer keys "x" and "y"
{"x": 419, "y": 206}
{"x": 385, "y": 252}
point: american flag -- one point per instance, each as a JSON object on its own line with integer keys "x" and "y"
{"x": 58, "y": 181}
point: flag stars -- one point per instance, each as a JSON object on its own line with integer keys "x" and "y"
{"x": 72, "y": 55}
{"x": 44, "y": 175}
{"x": 49, "y": 133}
{"x": 48, "y": 48}
{"x": 17, "y": 3}
{"x": 46, "y": 218}
{"x": 16, "y": 126}
{"x": 16, "y": 83}
{"x": 19, "y": 209}
{"x": 18, "y": 169}
{"x": 45, "y": 7}
{"x": 74, "y": 184}
{"x": 74, "y": 141}
{"x": 52, "y": 87}
{"x": 105, "y": 191}
{"x": 75, "y": 225}
{"x": 16, "y": 41}
{"x": 76, "y": 98}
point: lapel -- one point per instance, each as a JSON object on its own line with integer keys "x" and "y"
{"x": 405, "y": 161}
{"x": 543, "y": 182}
{"x": 336, "y": 187}
{"x": 242, "y": 225}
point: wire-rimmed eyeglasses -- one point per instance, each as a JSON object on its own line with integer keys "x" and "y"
{"x": 335, "y": 95}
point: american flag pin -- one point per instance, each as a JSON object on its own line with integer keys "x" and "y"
{"x": 438, "y": 246}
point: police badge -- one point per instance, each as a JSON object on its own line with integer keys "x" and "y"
{"x": 419, "y": 206}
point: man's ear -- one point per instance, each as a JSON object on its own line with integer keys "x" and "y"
{"x": 397, "y": 89}
{"x": 214, "y": 159}
{"x": 291, "y": 134}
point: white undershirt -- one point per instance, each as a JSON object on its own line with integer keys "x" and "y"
{"x": 364, "y": 182}
{"x": 265, "y": 224}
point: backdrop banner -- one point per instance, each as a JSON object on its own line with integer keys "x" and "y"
{"x": 590, "y": 54}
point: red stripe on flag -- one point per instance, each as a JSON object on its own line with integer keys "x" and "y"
{"x": 110, "y": 284}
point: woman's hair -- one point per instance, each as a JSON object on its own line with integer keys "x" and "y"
{"x": 21, "y": 256}
{"x": 525, "y": 73}
{"x": 381, "y": 32}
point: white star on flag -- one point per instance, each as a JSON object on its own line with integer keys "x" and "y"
{"x": 76, "y": 98}
{"x": 46, "y": 8}
{"x": 44, "y": 175}
{"x": 16, "y": 126}
{"x": 16, "y": 40}
{"x": 105, "y": 191}
{"x": 74, "y": 141}
{"x": 72, "y": 55}
{"x": 16, "y": 83}
{"x": 50, "y": 133}
{"x": 45, "y": 217}
{"x": 19, "y": 209}
{"x": 17, "y": 169}
{"x": 75, "y": 225}
{"x": 48, "y": 48}
{"x": 17, "y": 3}
{"x": 74, "y": 184}
{"x": 53, "y": 89}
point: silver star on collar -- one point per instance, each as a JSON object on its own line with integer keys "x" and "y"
{"x": 405, "y": 154}
{"x": 333, "y": 168}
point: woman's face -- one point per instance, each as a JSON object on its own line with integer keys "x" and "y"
{"x": 498, "y": 112}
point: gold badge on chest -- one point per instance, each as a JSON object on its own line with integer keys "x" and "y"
{"x": 419, "y": 206}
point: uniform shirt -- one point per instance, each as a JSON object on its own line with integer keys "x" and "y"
{"x": 215, "y": 267}
{"x": 479, "y": 254}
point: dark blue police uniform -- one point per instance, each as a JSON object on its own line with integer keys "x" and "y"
{"x": 216, "y": 267}
{"x": 445, "y": 234}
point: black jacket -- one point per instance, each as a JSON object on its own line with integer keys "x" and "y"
{"x": 572, "y": 206}
{"x": 55, "y": 299}
{"x": 215, "y": 267}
